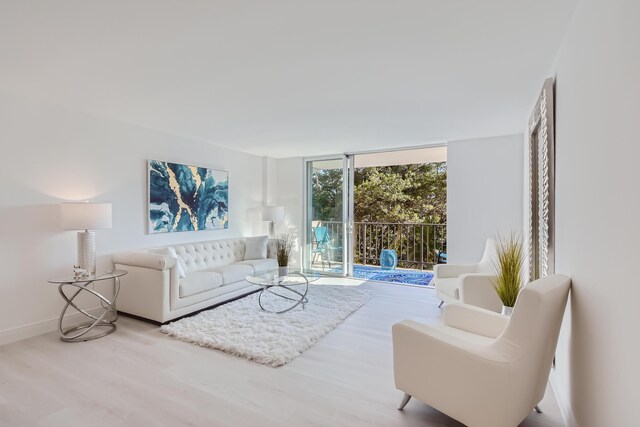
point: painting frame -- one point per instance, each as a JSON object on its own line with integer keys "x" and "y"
{"x": 183, "y": 197}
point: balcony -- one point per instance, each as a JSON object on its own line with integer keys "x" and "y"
{"x": 418, "y": 246}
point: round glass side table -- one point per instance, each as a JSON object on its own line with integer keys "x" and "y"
{"x": 104, "y": 322}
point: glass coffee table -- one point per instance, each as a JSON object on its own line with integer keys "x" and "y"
{"x": 292, "y": 287}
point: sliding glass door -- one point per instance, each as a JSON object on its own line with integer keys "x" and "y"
{"x": 400, "y": 206}
{"x": 328, "y": 216}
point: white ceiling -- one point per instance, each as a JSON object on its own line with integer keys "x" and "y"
{"x": 288, "y": 78}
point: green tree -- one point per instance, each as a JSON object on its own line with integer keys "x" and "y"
{"x": 381, "y": 196}
{"x": 327, "y": 195}
{"x": 404, "y": 194}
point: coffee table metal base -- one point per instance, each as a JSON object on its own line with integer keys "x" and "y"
{"x": 279, "y": 289}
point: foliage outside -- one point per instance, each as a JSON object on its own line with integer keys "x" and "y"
{"x": 509, "y": 268}
{"x": 401, "y": 194}
{"x": 284, "y": 246}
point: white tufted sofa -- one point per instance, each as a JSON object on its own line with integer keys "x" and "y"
{"x": 214, "y": 272}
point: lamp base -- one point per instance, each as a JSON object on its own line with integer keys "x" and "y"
{"x": 87, "y": 251}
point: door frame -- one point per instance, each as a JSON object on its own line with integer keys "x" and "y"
{"x": 347, "y": 213}
{"x": 348, "y": 200}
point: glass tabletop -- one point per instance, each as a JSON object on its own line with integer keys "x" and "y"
{"x": 273, "y": 277}
{"x": 102, "y": 276}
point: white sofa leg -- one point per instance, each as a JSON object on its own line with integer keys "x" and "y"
{"x": 405, "y": 400}
{"x": 538, "y": 410}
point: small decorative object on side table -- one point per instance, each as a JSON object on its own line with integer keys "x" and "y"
{"x": 105, "y": 319}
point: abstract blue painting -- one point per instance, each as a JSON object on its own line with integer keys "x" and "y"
{"x": 187, "y": 198}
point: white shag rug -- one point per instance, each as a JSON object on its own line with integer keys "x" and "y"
{"x": 241, "y": 328}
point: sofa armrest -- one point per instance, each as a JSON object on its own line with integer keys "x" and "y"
{"x": 475, "y": 320}
{"x": 448, "y": 271}
{"x": 428, "y": 360}
{"x": 479, "y": 289}
{"x": 421, "y": 332}
{"x": 457, "y": 376}
{"x": 145, "y": 259}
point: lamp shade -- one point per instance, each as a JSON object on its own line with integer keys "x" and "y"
{"x": 273, "y": 213}
{"x": 85, "y": 216}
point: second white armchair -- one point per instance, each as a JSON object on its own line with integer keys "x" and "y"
{"x": 469, "y": 283}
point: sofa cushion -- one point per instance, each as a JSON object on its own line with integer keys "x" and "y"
{"x": 256, "y": 247}
{"x": 199, "y": 281}
{"x": 233, "y": 273}
{"x": 449, "y": 286}
{"x": 207, "y": 255}
{"x": 261, "y": 265}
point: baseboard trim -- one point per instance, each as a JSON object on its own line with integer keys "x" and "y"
{"x": 43, "y": 327}
{"x": 563, "y": 400}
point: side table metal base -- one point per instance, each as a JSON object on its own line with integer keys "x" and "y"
{"x": 105, "y": 319}
{"x": 86, "y": 327}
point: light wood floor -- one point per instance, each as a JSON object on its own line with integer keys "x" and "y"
{"x": 140, "y": 377}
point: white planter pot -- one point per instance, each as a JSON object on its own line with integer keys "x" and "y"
{"x": 507, "y": 310}
{"x": 283, "y": 271}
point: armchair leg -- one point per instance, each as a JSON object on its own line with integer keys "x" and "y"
{"x": 405, "y": 400}
{"x": 538, "y": 410}
{"x": 441, "y": 302}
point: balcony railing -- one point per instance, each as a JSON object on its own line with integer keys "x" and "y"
{"x": 417, "y": 245}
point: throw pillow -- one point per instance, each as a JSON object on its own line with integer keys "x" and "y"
{"x": 256, "y": 247}
{"x": 180, "y": 265}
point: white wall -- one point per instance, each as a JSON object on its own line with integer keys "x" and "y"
{"x": 290, "y": 181}
{"x": 484, "y": 193}
{"x": 598, "y": 211}
{"x": 269, "y": 183}
{"x": 50, "y": 155}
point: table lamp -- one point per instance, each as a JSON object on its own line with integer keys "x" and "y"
{"x": 272, "y": 214}
{"x": 87, "y": 217}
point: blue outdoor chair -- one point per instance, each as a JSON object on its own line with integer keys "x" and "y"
{"x": 323, "y": 245}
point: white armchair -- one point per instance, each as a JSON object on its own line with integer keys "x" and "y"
{"x": 469, "y": 283}
{"x": 482, "y": 368}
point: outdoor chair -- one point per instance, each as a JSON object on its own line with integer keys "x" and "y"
{"x": 323, "y": 245}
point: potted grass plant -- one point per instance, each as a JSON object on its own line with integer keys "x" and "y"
{"x": 509, "y": 270}
{"x": 284, "y": 246}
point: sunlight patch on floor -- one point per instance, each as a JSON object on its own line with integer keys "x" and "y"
{"x": 338, "y": 281}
